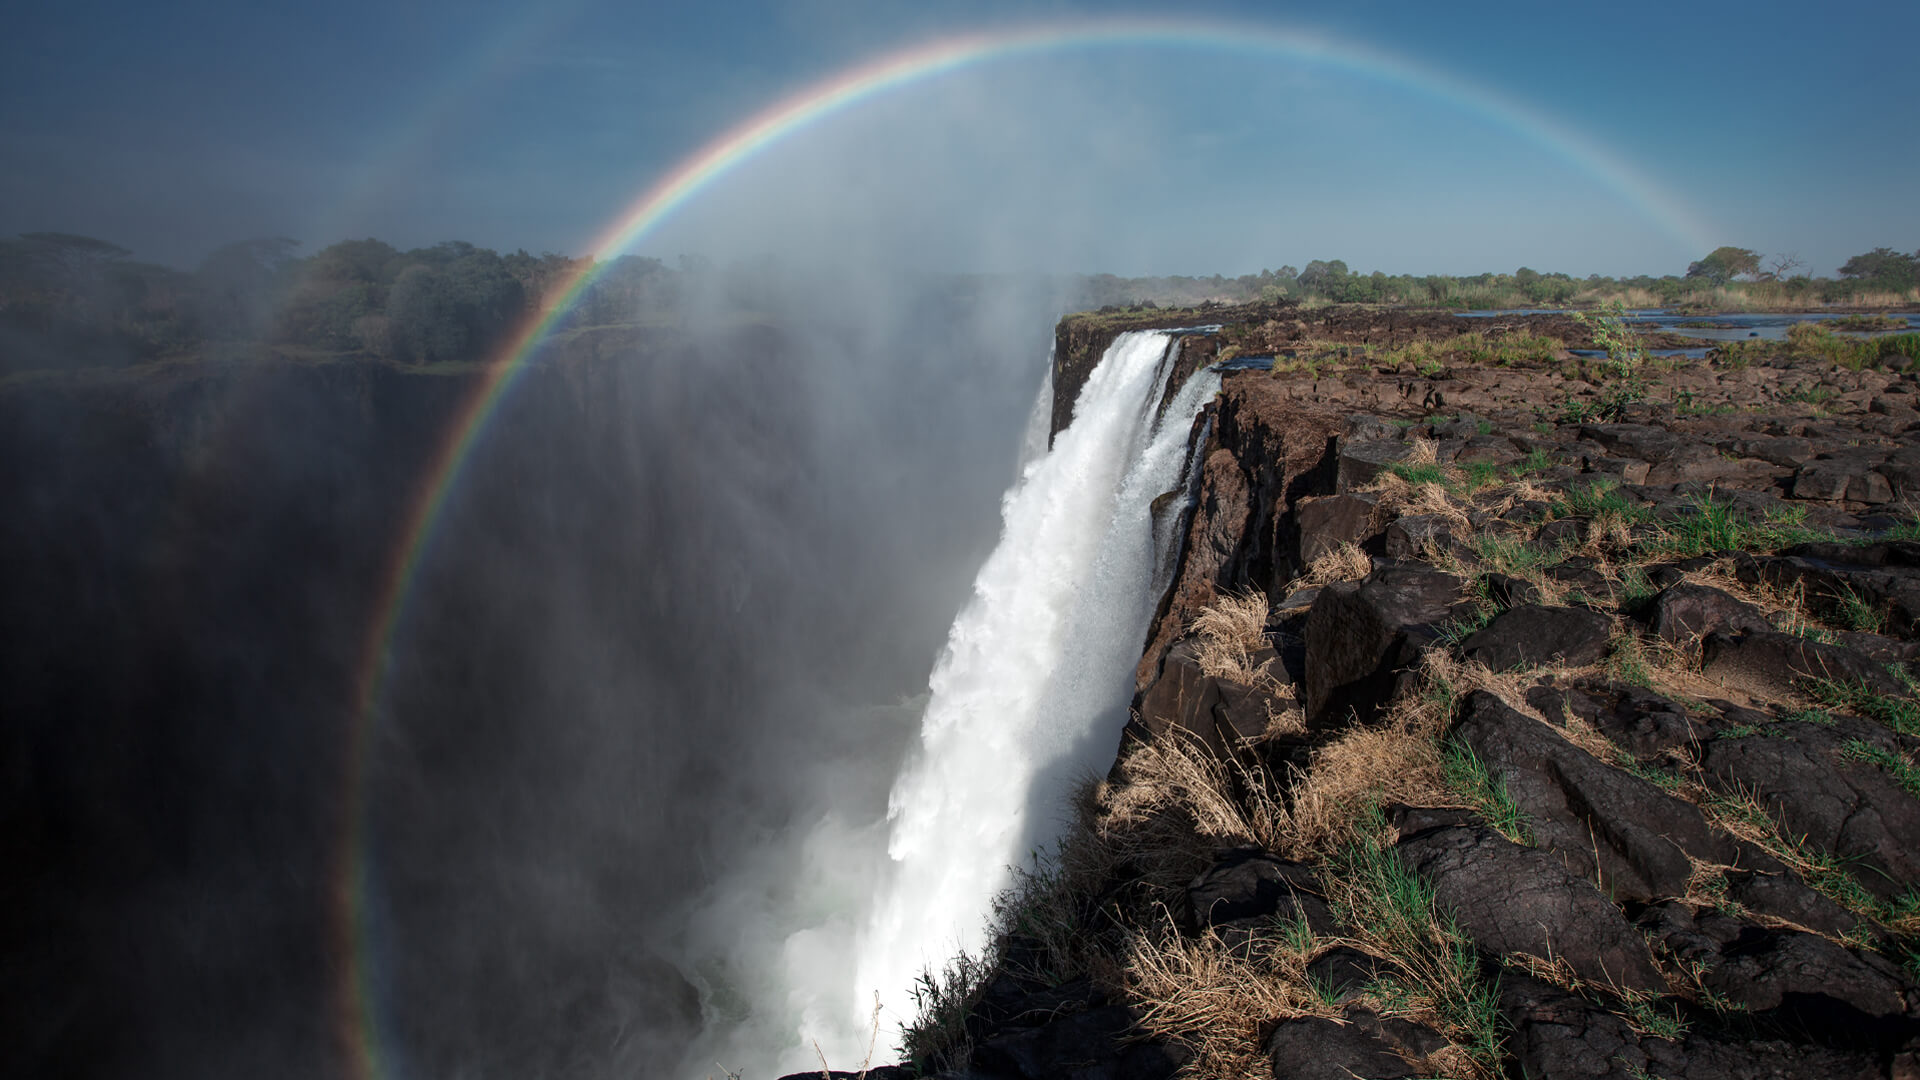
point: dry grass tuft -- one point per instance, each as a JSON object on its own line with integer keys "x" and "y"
{"x": 1217, "y": 1000}
{"x": 1420, "y": 452}
{"x": 1365, "y": 767}
{"x": 1230, "y": 631}
{"x": 1344, "y": 563}
{"x": 1175, "y": 803}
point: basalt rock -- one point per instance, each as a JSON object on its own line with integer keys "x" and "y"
{"x": 1686, "y": 611}
{"x": 1807, "y": 779}
{"x": 1531, "y": 635}
{"x": 1601, "y": 822}
{"x": 1512, "y": 900}
{"x": 1362, "y": 634}
{"x": 1250, "y": 888}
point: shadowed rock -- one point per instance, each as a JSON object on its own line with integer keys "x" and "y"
{"x": 1790, "y": 978}
{"x": 1557, "y": 1033}
{"x": 1328, "y": 521}
{"x": 1316, "y": 1048}
{"x": 1090, "y": 1045}
{"x": 1803, "y": 776}
{"x": 1686, "y": 611}
{"x": 1509, "y": 899}
{"x": 1252, "y": 887}
{"x": 1360, "y": 634}
{"x": 1597, "y": 819}
{"x": 1531, "y": 636}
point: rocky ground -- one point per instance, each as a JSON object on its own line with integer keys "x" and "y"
{"x": 1550, "y": 719}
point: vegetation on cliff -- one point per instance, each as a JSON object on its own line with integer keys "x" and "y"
{"x": 1491, "y": 738}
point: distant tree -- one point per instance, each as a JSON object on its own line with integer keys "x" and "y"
{"x": 1725, "y": 264}
{"x": 1883, "y": 268}
{"x": 1782, "y": 266}
{"x": 1322, "y": 277}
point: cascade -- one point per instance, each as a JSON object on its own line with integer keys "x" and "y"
{"x": 1032, "y": 688}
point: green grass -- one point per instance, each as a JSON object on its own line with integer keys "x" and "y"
{"x": 1598, "y": 498}
{"x": 1396, "y": 908}
{"x": 1627, "y": 662}
{"x": 1511, "y": 555}
{"x": 1715, "y": 526}
{"x": 1900, "y": 714}
{"x": 1536, "y": 461}
{"x": 1480, "y": 474}
{"x": 1469, "y": 778}
{"x": 1419, "y": 474}
{"x": 1902, "y": 770}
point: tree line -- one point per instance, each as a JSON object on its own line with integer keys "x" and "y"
{"x": 1728, "y": 277}
{"x": 75, "y": 301}
{"x": 68, "y": 300}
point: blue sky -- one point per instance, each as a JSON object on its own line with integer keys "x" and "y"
{"x": 173, "y": 128}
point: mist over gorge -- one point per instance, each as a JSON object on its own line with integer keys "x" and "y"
{"x": 672, "y": 615}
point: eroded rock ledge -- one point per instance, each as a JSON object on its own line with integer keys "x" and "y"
{"x": 1501, "y": 723}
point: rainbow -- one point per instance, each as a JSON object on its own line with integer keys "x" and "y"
{"x": 357, "y": 1013}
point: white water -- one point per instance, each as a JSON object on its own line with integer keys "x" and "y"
{"x": 1034, "y": 682}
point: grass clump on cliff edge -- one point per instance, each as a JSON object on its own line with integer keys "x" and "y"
{"x": 1228, "y": 633}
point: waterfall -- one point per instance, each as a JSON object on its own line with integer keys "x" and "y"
{"x": 1034, "y": 682}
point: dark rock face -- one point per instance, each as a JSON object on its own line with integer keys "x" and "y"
{"x": 1220, "y": 712}
{"x": 1249, "y": 888}
{"x": 1315, "y": 1048}
{"x": 1510, "y": 899}
{"x": 1792, "y": 979}
{"x": 1090, "y": 1045}
{"x": 1245, "y": 529}
{"x": 1327, "y": 521}
{"x": 1636, "y": 719}
{"x": 1769, "y": 663}
{"x": 1557, "y": 1033}
{"x": 1532, "y": 636}
{"x": 1359, "y": 633}
{"x": 1687, "y": 611}
{"x": 1885, "y": 577}
{"x": 1601, "y": 821}
{"x": 1801, "y": 774}
{"x": 1360, "y": 462}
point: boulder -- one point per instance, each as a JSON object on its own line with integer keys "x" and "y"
{"x": 1642, "y": 441}
{"x": 1808, "y": 782}
{"x": 1362, "y": 460}
{"x": 1362, "y": 634}
{"x": 1599, "y": 821}
{"x": 1687, "y": 611}
{"x": 1220, "y": 712}
{"x": 1327, "y": 521}
{"x": 1365, "y": 1045}
{"x": 1249, "y": 888}
{"x": 1636, "y": 719}
{"x": 1790, "y": 978}
{"x": 1769, "y": 664}
{"x": 1510, "y": 899}
{"x": 1413, "y": 536}
{"x": 1531, "y": 636}
{"x": 1557, "y": 1033}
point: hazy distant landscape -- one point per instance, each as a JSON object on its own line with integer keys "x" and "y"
{"x": 891, "y": 544}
